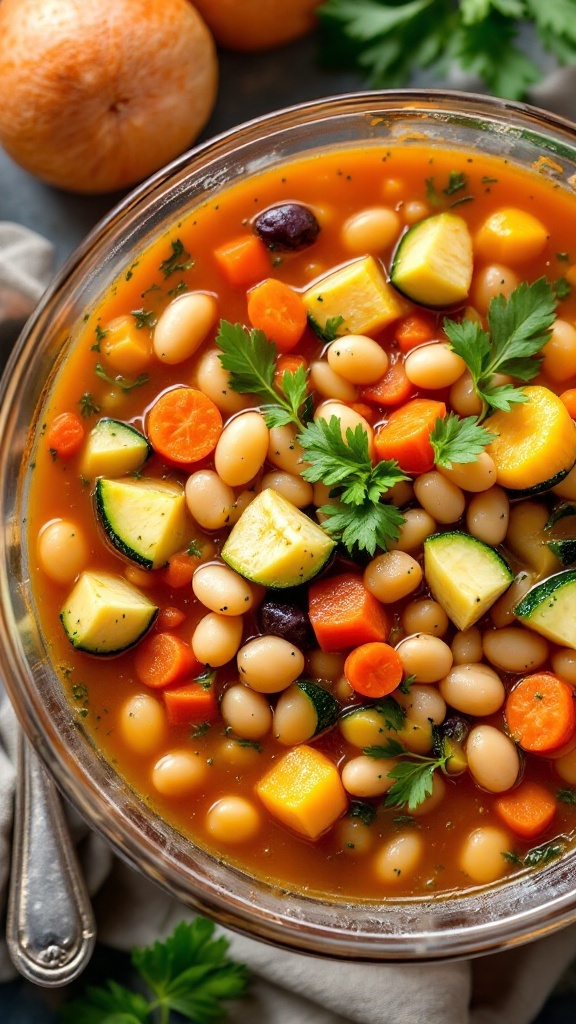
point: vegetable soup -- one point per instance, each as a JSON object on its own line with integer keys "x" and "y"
{"x": 302, "y": 522}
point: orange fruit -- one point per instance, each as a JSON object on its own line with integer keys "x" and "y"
{"x": 98, "y": 95}
{"x": 257, "y": 24}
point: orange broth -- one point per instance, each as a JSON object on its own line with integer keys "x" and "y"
{"x": 335, "y": 186}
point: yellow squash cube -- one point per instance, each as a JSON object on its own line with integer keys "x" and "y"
{"x": 359, "y": 293}
{"x": 303, "y": 790}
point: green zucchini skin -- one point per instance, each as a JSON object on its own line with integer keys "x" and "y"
{"x": 326, "y": 706}
{"x": 563, "y": 547}
{"x": 540, "y": 488}
{"x": 550, "y": 608}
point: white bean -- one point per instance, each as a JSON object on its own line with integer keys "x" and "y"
{"x": 214, "y": 381}
{"x": 179, "y": 772}
{"x": 418, "y": 524}
{"x": 423, "y": 705}
{"x": 357, "y": 358}
{"x": 290, "y": 486}
{"x": 349, "y": 418}
{"x": 425, "y": 657}
{"x": 477, "y": 476}
{"x": 488, "y": 514}
{"x": 467, "y": 646}
{"x": 433, "y": 366}
{"x": 399, "y": 858}
{"x": 242, "y": 448}
{"x": 63, "y": 550}
{"x": 560, "y": 352}
{"x": 563, "y": 663}
{"x": 463, "y": 397}
{"x": 473, "y": 689}
{"x": 515, "y": 649}
{"x": 424, "y": 616}
{"x": 216, "y": 639}
{"x": 284, "y": 451}
{"x": 295, "y": 718}
{"x": 221, "y": 589}
{"x": 432, "y": 801}
{"x": 482, "y": 854}
{"x": 209, "y": 499}
{"x": 490, "y": 281}
{"x": 183, "y": 326}
{"x": 441, "y": 498}
{"x": 269, "y": 663}
{"x": 248, "y": 713}
{"x": 370, "y": 230}
{"x": 492, "y": 758}
{"x": 392, "y": 576}
{"x": 328, "y": 382}
{"x": 233, "y": 819}
{"x": 143, "y": 724}
{"x": 368, "y": 776}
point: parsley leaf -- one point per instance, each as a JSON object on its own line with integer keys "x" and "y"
{"x": 359, "y": 520}
{"x": 87, "y": 405}
{"x": 121, "y": 382}
{"x": 389, "y": 40}
{"x": 458, "y": 440}
{"x": 392, "y": 712}
{"x": 330, "y": 330}
{"x": 178, "y": 260}
{"x": 413, "y": 777}
{"x": 518, "y": 328}
{"x": 144, "y": 318}
{"x": 250, "y": 360}
{"x": 188, "y": 973}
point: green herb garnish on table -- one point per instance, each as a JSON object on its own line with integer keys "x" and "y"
{"x": 389, "y": 41}
{"x": 189, "y": 973}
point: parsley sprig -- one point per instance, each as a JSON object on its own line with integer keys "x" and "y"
{"x": 389, "y": 40}
{"x": 413, "y": 776}
{"x": 360, "y": 520}
{"x": 188, "y": 973}
{"x": 458, "y": 440}
{"x": 518, "y": 327}
{"x": 250, "y": 359}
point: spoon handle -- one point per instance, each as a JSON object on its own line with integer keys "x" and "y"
{"x": 50, "y": 927}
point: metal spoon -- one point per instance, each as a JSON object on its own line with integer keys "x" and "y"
{"x": 50, "y": 927}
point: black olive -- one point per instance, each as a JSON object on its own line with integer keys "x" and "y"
{"x": 288, "y": 621}
{"x": 287, "y": 226}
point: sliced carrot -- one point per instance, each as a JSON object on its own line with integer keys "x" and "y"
{"x": 191, "y": 702}
{"x": 180, "y": 570}
{"x": 65, "y": 435}
{"x": 528, "y": 810}
{"x": 374, "y": 669}
{"x": 541, "y": 712}
{"x": 406, "y": 435}
{"x": 275, "y": 308}
{"x": 184, "y": 425}
{"x": 393, "y": 388}
{"x": 162, "y": 658}
{"x": 287, "y": 364}
{"x": 244, "y": 260}
{"x": 345, "y": 614}
{"x": 414, "y": 330}
{"x": 169, "y": 618}
{"x": 569, "y": 399}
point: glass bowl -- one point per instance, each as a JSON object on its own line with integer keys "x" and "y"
{"x": 479, "y": 920}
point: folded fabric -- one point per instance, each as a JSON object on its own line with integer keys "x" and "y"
{"x": 504, "y": 988}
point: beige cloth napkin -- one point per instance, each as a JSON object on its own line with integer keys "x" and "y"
{"x": 504, "y": 988}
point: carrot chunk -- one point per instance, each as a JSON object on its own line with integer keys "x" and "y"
{"x": 528, "y": 810}
{"x": 190, "y": 702}
{"x": 541, "y": 712}
{"x": 244, "y": 260}
{"x": 344, "y": 613}
{"x": 374, "y": 669}
{"x": 569, "y": 399}
{"x": 180, "y": 570}
{"x": 406, "y": 435}
{"x": 279, "y": 311}
{"x": 65, "y": 435}
{"x": 184, "y": 425}
{"x": 162, "y": 659}
{"x": 169, "y": 618}
{"x": 413, "y": 331}
{"x": 393, "y": 388}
